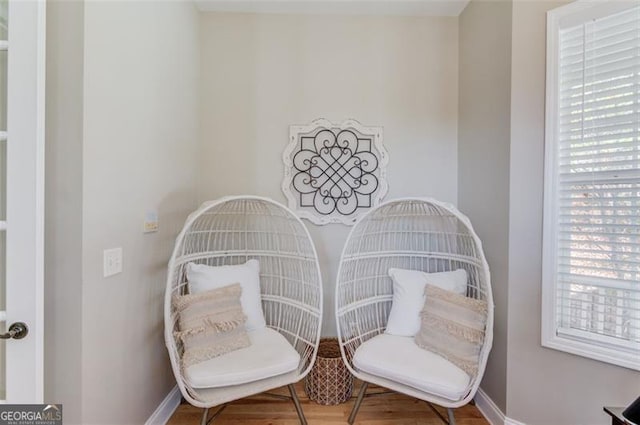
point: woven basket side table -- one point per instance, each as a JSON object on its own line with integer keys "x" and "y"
{"x": 329, "y": 381}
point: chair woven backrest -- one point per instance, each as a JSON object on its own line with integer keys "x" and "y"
{"x": 236, "y": 229}
{"x": 416, "y": 234}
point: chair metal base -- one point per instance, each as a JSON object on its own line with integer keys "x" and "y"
{"x": 296, "y": 403}
{"x": 205, "y": 415}
{"x": 356, "y": 406}
{"x": 363, "y": 393}
{"x": 451, "y": 420}
{"x": 206, "y": 420}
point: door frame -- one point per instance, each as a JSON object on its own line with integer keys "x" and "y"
{"x": 25, "y": 198}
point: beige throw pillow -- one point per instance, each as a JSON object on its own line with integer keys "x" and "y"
{"x": 453, "y": 327}
{"x": 210, "y": 323}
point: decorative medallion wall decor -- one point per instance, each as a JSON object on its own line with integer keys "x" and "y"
{"x": 334, "y": 172}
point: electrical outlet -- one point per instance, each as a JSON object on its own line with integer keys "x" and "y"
{"x": 112, "y": 261}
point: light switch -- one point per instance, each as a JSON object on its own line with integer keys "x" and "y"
{"x": 112, "y": 261}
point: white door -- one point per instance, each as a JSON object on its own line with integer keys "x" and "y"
{"x": 22, "y": 55}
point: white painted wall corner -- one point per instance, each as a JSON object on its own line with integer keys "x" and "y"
{"x": 164, "y": 411}
{"x": 491, "y": 412}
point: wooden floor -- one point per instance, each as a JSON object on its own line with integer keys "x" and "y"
{"x": 389, "y": 409}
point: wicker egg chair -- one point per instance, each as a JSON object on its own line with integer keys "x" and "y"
{"x": 231, "y": 231}
{"x": 417, "y": 234}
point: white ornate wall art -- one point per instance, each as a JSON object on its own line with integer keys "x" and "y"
{"x": 334, "y": 172}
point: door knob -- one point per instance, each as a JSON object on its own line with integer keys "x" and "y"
{"x": 17, "y": 330}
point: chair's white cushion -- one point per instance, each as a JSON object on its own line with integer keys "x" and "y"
{"x": 408, "y": 296}
{"x": 399, "y": 359}
{"x": 269, "y": 354}
{"x": 202, "y": 278}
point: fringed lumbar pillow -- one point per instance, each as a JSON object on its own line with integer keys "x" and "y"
{"x": 210, "y": 323}
{"x": 453, "y": 327}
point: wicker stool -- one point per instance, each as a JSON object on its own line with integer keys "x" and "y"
{"x": 329, "y": 381}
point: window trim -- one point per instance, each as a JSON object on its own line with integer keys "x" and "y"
{"x": 564, "y": 16}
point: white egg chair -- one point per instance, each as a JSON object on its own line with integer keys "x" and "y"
{"x": 417, "y": 234}
{"x": 231, "y": 231}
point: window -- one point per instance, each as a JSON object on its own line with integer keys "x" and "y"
{"x": 591, "y": 257}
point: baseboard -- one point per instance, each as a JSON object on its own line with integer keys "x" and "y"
{"x": 491, "y": 411}
{"x": 164, "y": 411}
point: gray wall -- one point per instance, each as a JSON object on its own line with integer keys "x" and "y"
{"x": 263, "y": 73}
{"x": 63, "y": 207}
{"x": 544, "y": 386}
{"x": 500, "y": 174}
{"x": 122, "y": 130}
{"x": 140, "y": 141}
{"x": 483, "y": 157}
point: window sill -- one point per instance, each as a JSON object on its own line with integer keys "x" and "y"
{"x": 618, "y": 357}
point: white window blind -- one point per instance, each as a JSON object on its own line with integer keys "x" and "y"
{"x": 592, "y": 241}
